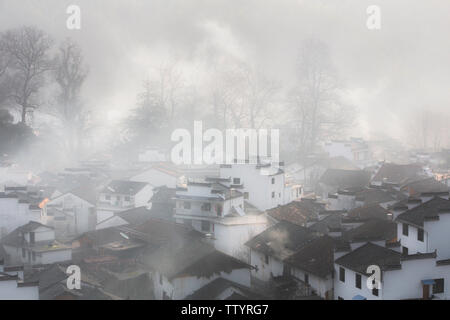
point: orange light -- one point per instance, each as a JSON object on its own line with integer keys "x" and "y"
{"x": 43, "y": 203}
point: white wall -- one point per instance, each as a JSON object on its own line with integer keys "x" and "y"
{"x": 257, "y": 184}
{"x": 10, "y": 291}
{"x": 230, "y": 239}
{"x": 320, "y": 285}
{"x": 265, "y": 271}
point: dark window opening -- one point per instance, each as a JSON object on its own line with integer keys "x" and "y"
{"x": 375, "y": 292}
{"x": 405, "y": 251}
{"x": 438, "y": 286}
{"x": 358, "y": 280}
{"x": 405, "y": 229}
{"x": 186, "y": 205}
{"x": 236, "y": 180}
{"x": 306, "y": 278}
{"x": 342, "y": 274}
{"x": 420, "y": 234}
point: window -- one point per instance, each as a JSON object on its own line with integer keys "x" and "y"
{"x": 273, "y": 194}
{"x": 405, "y": 229}
{"x": 160, "y": 279}
{"x": 273, "y": 180}
{"x": 420, "y": 234}
{"x": 236, "y": 180}
{"x": 108, "y": 197}
{"x": 438, "y": 286}
{"x": 206, "y": 206}
{"x": 266, "y": 259}
{"x": 375, "y": 292}
{"x": 341, "y": 274}
{"x": 33, "y": 256}
{"x": 24, "y": 253}
{"x": 219, "y": 210}
{"x": 405, "y": 251}
{"x": 306, "y": 278}
{"x": 358, "y": 280}
{"x": 186, "y": 205}
{"x": 127, "y": 198}
{"x": 205, "y": 226}
{"x": 246, "y": 195}
{"x": 32, "y": 237}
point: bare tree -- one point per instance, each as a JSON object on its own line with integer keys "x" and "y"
{"x": 27, "y": 51}
{"x": 70, "y": 73}
{"x": 315, "y": 105}
{"x": 243, "y": 96}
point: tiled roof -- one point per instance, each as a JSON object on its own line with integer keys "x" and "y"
{"x": 282, "y": 239}
{"x": 426, "y": 211}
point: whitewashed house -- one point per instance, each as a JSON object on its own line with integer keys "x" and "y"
{"x": 179, "y": 271}
{"x": 221, "y": 212}
{"x": 313, "y": 265}
{"x": 34, "y": 244}
{"x": 263, "y": 184}
{"x": 418, "y": 276}
{"x": 15, "y": 212}
{"x": 269, "y": 249}
{"x": 355, "y": 150}
{"x": 120, "y": 195}
{"x": 423, "y": 228}
{"x": 71, "y": 213}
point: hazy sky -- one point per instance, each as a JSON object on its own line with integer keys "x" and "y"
{"x": 389, "y": 73}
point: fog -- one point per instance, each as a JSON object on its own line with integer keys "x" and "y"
{"x": 390, "y": 76}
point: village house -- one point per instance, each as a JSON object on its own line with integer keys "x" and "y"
{"x": 427, "y": 185}
{"x": 34, "y": 244}
{"x": 262, "y": 184}
{"x": 301, "y": 213}
{"x": 269, "y": 249}
{"x": 308, "y": 172}
{"x": 417, "y": 276}
{"x": 334, "y": 180}
{"x": 423, "y": 228}
{"x": 120, "y": 195}
{"x": 358, "y": 197}
{"x": 15, "y": 212}
{"x": 313, "y": 265}
{"x": 221, "y": 212}
{"x": 179, "y": 270}
{"x": 396, "y": 174}
{"x": 355, "y": 149}
{"x": 71, "y": 213}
